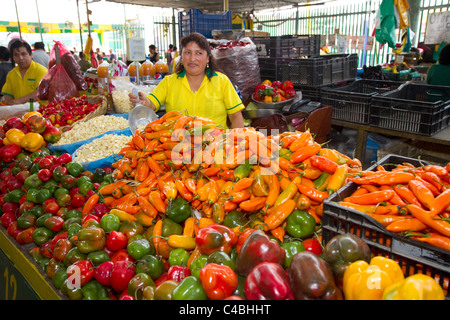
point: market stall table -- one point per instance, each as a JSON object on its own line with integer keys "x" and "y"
{"x": 440, "y": 138}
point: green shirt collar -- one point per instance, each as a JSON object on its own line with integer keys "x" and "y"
{"x": 208, "y": 73}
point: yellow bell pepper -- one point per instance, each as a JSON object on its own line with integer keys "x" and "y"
{"x": 32, "y": 141}
{"x": 13, "y": 136}
{"x": 415, "y": 287}
{"x": 363, "y": 281}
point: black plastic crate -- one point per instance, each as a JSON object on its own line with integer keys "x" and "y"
{"x": 194, "y": 20}
{"x": 352, "y": 102}
{"x": 290, "y": 46}
{"x": 323, "y": 70}
{"x": 413, "y": 256}
{"x": 271, "y": 69}
{"x": 413, "y": 108}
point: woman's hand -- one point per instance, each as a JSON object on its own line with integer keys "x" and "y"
{"x": 142, "y": 99}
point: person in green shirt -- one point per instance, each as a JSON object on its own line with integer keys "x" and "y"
{"x": 439, "y": 74}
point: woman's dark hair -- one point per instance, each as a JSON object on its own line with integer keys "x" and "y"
{"x": 18, "y": 44}
{"x": 203, "y": 43}
{"x": 5, "y": 55}
{"x": 444, "y": 55}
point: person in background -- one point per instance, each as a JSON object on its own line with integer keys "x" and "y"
{"x": 195, "y": 88}
{"x": 22, "y": 81}
{"x": 169, "y": 54}
{"x": 76, "y": 56}
{"x": 154, "y": 55}
{"x": 98, "y": 54}
{"x": 439, "y": 73}
{"x": 5, "y": 64}
{"x": 112, "y": 56}
{"x": 39, "y": 54}
{"x": 84, "y": 64}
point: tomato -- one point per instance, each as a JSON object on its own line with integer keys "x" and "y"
{"x": 312, "y": 245}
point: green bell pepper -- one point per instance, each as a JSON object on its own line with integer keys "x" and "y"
{"x": 138, "y": 283}
{"x": 190, "y": 288}
{"x": 198, "y": 264}
{"x": 59, "y": 277}
{"x": 170, "y": 227}
{"x": 91, "y": 239}
{"x": 26, "y": 220}
{"x": 164, "y": 290}
{"x": 14, "y": 196}
{"x": 72, "y": 292}
{"x": 73, "y": 230}
{"x": 93, "y": 290}
{"x": 178, "y": 210}
{"x": 222, "y": 258}
{"x": 179, "y": 257}
{"x": 291, "y": 248}
{"x": 140, "y": 248}
{"x": 235, "y": 219}
{"x": 98, "y": 257}
{"x": 73, "y": 256}
{"x": 110, "y": 222}
{"x": 38, "y": 211}
{"x": 151, "y": 265}
{"x": 42, "y": 235}
{"x": 300, "y": 224}
{"x": 74, "y": 168}
{"x": 69, "y": 221}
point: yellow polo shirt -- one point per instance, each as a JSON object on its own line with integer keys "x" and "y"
{"x": 17, "y": 87}
{"x": 215, "y": 99}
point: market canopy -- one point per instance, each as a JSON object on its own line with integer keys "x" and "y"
{"x": 216, "y": 5}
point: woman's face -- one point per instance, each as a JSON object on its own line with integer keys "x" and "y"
{"x": 194, "y": 59}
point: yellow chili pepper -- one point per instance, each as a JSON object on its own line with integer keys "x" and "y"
{"x": 181, "y": 241}
{"x": 122, "y": 215}
{"x": 337, "y": 180}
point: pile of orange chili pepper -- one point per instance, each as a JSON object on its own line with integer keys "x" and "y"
{"x": 218, "y": 172}
{"x": 408, "y": 200}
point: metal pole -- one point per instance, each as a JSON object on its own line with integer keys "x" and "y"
{"x": 225, "y": 5}
{"x": 18, "y": 22}
{"x": 79, "y": 24}
{"x": 174, "y": 30}
{"x": 39, "y": 21}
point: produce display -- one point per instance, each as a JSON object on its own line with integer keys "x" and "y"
{"x": 66, "y": 112}
{"x": 92, "y": 128}
{"x": 100, "y": 148}
{"x": 275, "y": 91}
{"x": 192, "y": 212}
{"x": 412, "y": 201}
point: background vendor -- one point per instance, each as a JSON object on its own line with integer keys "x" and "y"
{"x": 195, "y": 88}
{"x": 22, "y": 81}
{"x": 439, "y": 74}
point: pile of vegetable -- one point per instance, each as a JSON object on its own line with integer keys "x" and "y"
{"x": 276, "y": 91}
{"x": 408, "y": 200}
{"x": 66, "y": 112}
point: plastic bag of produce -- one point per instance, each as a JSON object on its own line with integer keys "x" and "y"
{"x": 239, "y": 61}
{"x": 70, "y": 64}
{"x": 61, "y": 86}
{"x": 123, "y": 87}
{"x": 119, "y": 69}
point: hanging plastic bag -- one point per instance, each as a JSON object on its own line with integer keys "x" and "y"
{"x": 61, "y": 85}
{"x": 403, "y": 14}
{"x": 386, "y": 25}
{"x": 70, "y": 65}
{"x": 119, "y": 69}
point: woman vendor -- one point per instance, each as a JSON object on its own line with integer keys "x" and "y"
{"x": 195, "y": 88}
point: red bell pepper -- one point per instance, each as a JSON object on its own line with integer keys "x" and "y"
{"x": 215, "y": 237}
{"x": 311, "y": 278}
{"x": 286, "y": 85}
{"x": 178, "y": 273}
{"x": 219, "y": 281}
{"x": 258, "y": 248}
{"x": 268, "y": 281}
{"x": 82, "y": 271}
{"x": 9, "y": 152}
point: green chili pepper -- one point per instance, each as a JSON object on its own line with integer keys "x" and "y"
{"x": 179, "y": 257}
{"x": 151, "y": 265}
{"x": 291, "y": 248}
{"x": 198, "y": 264}
{"x": 171, "y": 227}
{"x": 93, "y": 290}
{"x": 179, "y": 210}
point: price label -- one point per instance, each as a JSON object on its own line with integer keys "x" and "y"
{"x": 13, "y": 285}
{"x": 136, "y": 49}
